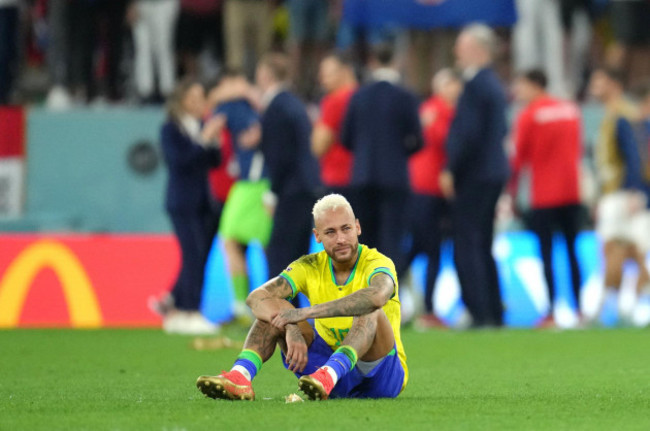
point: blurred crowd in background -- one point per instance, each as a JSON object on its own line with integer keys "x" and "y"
{"x": 416, "y": 172}
{"x": 72, "y": 52}
{"x": 411, "y": 124}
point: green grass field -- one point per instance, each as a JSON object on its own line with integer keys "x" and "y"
{"x": 483, "y": 380}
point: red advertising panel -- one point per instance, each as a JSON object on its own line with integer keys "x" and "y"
{"x": 12, "y": 131}
{"x": 83, "y": 281}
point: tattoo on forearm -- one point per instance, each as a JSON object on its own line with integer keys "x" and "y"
{"x": 293, "y": 333}
{"x": 277, "y": 288}
{"x": 361, "y": 302}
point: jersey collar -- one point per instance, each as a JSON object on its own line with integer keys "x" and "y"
{"x": 354, "y": 268}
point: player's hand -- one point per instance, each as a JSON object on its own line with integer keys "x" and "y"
{"x": 447, "y": 184}
{"x": 212, "y": 129}
{"x": 296, "y": 349}
{"x": 250, "y": 138}
{"x": 270, "y": 201}
{"x": 286, "y": 317}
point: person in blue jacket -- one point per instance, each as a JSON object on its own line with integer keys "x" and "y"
{"x": 477, "y": 170}
{"x": 294, "y": 173}
{"x": 190, "y": 148}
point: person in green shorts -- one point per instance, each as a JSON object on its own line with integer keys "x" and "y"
{"x": 245, "y": 219}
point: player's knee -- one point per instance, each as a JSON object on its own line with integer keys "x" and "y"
{"x": 369, "y": 318}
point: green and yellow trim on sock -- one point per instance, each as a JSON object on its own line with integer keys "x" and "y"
{"x": 252, "y": 356}
{"x": 350, "y": 352}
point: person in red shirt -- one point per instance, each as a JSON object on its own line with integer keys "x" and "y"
{"x": 337, "y": 78}
{"x": 548, "y": 141}
{"x": 428, "y": 207}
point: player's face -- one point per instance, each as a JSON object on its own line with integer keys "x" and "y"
{"x": 464, "y": 50}
{"x": 598, "y": 85}
{"x": 451, "y": 90}
{"x": 339, "y": 232}
{"x": 329, "y": 74}
{"x": 522, "y": 90}
{"x": 263, "y": 77}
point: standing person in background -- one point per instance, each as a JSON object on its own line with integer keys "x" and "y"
{"x": 189, "y": 150}
{"x": 337, "y": 78}
{"x": 153, "y": 24}
{"x": 578, "y": 17}
{"x": 244, "y": 217}
{"x": 382, "y": 128}
{"x": 308, "y": 27}
{"x": 548, "y": 140}
{"x": 220, "y": 178}
{"x": 537, "y": 41}
{"x": 9, "y": 20}
{"x": 85, "y": 22}
{"x": 428, "y": 208}
{"x": 630, "y": 52}
{"x": 247, "y": 22}
{"x": 641, "y": 311}
{"x": 622, "y": 222}
{"x": 199, "y": 26}
{"x": 293, "y": 170}
{"x": 477, "y": 170}
{"x": 58, "y": 54}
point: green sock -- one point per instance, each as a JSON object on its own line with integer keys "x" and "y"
{"x": 241, "y": 287}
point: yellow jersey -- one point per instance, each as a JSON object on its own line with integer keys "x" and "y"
{"x": 609, "y": 159}
{"x": 313, "y": 276}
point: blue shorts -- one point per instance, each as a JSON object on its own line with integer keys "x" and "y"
{"x": 385, "y": 380}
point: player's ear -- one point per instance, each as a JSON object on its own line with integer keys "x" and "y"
{"x": 358, "y": 225}
{"x": 316, "y": 236}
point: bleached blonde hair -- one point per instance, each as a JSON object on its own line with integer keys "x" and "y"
{"x": 330, "y": 202}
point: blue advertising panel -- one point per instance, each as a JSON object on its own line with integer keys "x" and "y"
{"x": 428, "y": 13}
{"x": 523, "y": 287}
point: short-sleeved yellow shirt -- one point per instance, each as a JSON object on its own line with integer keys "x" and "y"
{"x": 313, "y": 276}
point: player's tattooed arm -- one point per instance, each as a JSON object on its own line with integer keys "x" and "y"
{"x": 359, "y": 303}
{"x": 269, "y": 299}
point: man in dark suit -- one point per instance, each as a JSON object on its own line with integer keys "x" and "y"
{"x": 293, "y": 170}
{"x": 382, "y": 128}
{"x": 477, "y": 170}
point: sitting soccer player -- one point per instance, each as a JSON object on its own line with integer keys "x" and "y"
{"x": 354, "y": 348}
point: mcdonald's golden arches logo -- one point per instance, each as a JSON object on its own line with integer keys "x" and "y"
{"x": 80, "y": 297}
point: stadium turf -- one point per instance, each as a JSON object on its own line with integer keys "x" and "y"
{"x": 484, "y": 380}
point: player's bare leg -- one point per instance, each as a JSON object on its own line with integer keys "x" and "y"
{"x": 370, "y": 338}
{"x": 644, "y": 278}
{"x": 236, "y": 258}
{"x": 615, "y": 255}
{"x": 258, "y": 348}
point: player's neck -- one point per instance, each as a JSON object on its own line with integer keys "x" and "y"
{"x": 345, "y": 268}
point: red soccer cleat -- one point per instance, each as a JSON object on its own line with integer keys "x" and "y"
{"x": 317, "y": 386}
{"x": 226, "y": 386}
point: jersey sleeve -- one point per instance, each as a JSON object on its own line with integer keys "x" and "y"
{"x": 380, "y": 265}
{"x": 296, "y": 276}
